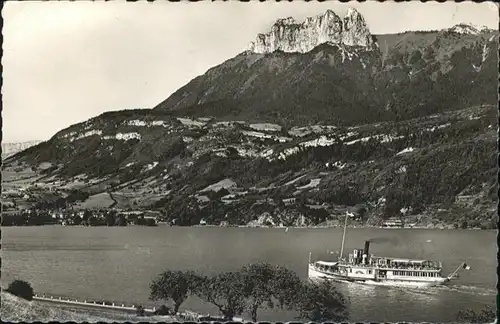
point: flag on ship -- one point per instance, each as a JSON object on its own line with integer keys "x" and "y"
{"x": 466, "y": 267}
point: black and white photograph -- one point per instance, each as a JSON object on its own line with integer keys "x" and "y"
{"x": 259, "y": 161}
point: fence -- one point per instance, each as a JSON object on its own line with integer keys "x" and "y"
{"x": 185, "y": 315}
{"x": 69, "y": 301}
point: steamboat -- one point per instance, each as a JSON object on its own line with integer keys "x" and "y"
{"x": 363, "y": 267}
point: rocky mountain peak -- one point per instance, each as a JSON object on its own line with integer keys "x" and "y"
{"x": 356, "y": 31}
{"x": 288, "y": 35}
{"x": 464, "y": 28}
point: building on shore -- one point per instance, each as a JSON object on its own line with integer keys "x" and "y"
{"x": 393, "y": 223}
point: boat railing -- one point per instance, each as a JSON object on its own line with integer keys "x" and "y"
{"x": 390, "y": 267}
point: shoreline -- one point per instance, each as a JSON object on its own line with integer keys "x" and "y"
{"x": 437, "y": 227}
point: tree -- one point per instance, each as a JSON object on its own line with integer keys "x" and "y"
{"x": 362, "y": 213}
{"x": 111, "y": 218}
{"x": 86, "y": 215}
{"x": 486, "y": 315}
{"x": 92, "y": 221}
{"x": 321, "y": 302}
{"x": 21, "y": 289}
{"x": 162, "y": 310}
{"x": 258, "y": 279}
{"x": 226, "y": 291}
{"x": 120, "y": 220}
{"x": 77, "y": 220}
{"x": 140, "y": 220}
{"x": 286, "y": 286}
{"x": 175, "y": 285}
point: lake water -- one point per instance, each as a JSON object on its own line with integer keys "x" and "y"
{"x": 118, "y": 264}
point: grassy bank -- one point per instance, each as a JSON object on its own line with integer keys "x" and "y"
{"x": 15, "y": 309}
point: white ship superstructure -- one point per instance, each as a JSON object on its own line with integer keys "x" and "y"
{"x": 363, "y": 267}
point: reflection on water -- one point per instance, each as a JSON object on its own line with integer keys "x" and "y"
{"x": 119, "y": 263}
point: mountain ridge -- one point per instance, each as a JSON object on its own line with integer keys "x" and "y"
{"x": 407, "y": 125}
{"x": 11, "y": 148}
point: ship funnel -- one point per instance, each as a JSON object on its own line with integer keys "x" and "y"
{"x": 367, "y": 250}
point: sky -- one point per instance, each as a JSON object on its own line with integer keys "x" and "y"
{"x": 66, "y": 62}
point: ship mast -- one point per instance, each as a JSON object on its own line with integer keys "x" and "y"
{"x": 343, "y": 235}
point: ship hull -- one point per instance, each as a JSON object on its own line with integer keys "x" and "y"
{"x": 315, "y": 275}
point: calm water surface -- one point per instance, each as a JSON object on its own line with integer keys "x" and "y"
{"x": 118, "y": 264}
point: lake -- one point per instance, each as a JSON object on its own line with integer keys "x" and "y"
{"x": 118, "y": 263}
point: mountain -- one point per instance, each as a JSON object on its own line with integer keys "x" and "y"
{"x": 9, "y": 149}
{"x": 407, "y": 75}
{"x": 287, "y": 35}
{"x": 404, "y": 126}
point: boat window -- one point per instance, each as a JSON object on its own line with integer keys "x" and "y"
{"x": 350, "y": 270}
{"x": 369, "y": 272}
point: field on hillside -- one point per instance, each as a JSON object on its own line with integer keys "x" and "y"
{"x": 100, "y": 200}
